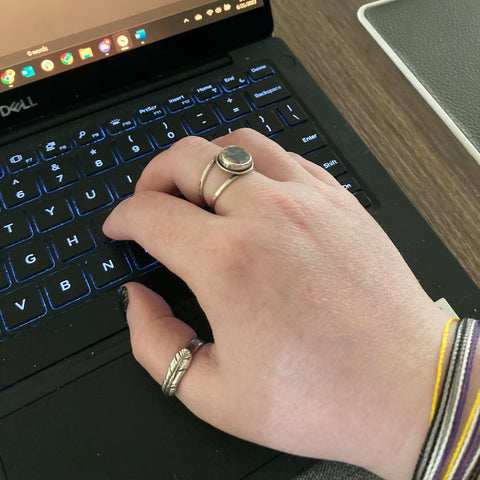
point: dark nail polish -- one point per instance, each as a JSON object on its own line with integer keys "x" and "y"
{"x": 123, "y": 294}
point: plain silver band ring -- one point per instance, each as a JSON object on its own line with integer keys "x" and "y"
{"x": 203, "y": 178}
{"x": 221, "y": 189}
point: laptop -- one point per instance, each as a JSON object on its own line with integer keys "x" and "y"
{"x": 89, "y": 94}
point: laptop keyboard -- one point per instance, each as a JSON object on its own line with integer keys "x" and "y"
{"x": 56, "y": 193}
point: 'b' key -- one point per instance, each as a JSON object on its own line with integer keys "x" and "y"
{"x": 66, "y": 286}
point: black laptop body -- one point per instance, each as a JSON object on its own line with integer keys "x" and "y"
{"x": 74, "y": 404}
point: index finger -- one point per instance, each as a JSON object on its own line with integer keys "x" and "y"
{"x": 168, "y": 227}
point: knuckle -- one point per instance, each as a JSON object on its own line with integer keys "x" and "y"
{"x": 244, "y": 135}
{"x": 296, "y": 207}
{"x": 139, "y": 201}
{"x": 188, "y": 143}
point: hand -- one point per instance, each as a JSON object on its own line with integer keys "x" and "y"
{"x": 325, "y": 344}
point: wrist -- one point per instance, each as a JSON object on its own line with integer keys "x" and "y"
{"x": 400, "y": 430}
{"x": 447, "y": 451}
{"x": 452, "y": 448}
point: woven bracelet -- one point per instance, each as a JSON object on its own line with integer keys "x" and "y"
{"x": 448, "y": 413}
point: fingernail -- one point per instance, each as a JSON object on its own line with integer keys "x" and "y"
{"x": 123, "y": 298}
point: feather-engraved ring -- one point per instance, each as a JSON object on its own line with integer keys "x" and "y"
{"x": 179, "y": 365}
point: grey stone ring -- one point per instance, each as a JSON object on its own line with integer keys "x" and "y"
{"x": 231, "y": 159}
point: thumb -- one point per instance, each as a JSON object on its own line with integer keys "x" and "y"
{"x": 157, "y": 335}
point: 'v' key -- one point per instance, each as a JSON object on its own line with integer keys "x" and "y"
{"x": 21, "y": 306}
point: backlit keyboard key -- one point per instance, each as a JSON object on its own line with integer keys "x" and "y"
{"x": 148, "y": 113}
{"x": 259, "y": 72}
{"x": 267, "y": 92}
{"x": 72, "y": 241}
{"x": 66, "y": 287}
{"x": 21, "y": 306}
{"x": 119, "y": 124}
{"x": 51, "y": 213}
{"x": 54, "y": 147}
{"x": 350, "y": 184}
{"x": 267, "y": 123}
{"x": 292, "y": 113}
{"x": 329, "y": 161}
{"x": 124, "y": 182}
{"x": 133, "y": 145}
{"x": 90, "y": 196}
{"x": 108, "y": 267}
{"x": 87, "y": 135}
{"x": 58, "y": 174}
{"x": 233, "y": 106}
{"x": 168, "y": 131}
{"x": 206, "y": 92}
{"x": 201, "y": 118}
{"x": 96, "y": 158}
{"x": 30, "y": 260}
{"x": 179, "y": 102}
{"x": 18, "y": 189}
{"x": 302, "y": 140}
{"x": 13, "y": 229}
{"x": 233, "y": 82}
{"x": 20, "y": 160}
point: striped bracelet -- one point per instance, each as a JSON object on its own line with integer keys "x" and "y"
{"x": 447, "y": 413}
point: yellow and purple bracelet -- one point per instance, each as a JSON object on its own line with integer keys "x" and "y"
{"x": 440, "y": 457}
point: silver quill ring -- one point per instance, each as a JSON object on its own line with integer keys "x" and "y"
{"x": 179, "y": 365}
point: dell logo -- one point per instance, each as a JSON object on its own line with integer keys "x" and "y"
{"x": 16, "y": 107}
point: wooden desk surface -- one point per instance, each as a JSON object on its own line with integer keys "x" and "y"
{"x": 408, "y": 138}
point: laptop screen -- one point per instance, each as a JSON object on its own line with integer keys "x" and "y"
{"x": 42, "y": 39}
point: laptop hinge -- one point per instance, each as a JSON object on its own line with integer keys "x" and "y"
{"x": 110, "y": 99}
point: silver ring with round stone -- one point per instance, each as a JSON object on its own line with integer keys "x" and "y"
{"x": 235, "y": 160}
{"x": 231, "y": 159}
